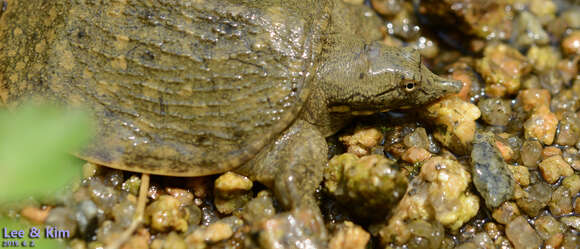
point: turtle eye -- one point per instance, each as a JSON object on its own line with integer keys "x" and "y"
{"x": 409, "y": 86}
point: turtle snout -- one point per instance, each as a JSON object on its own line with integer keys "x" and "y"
{"x": 451, "y": 86}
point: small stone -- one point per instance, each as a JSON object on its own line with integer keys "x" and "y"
{"x": 543, "y": 58}
{"x": 506, "y": 212}
{"x": 571, "y": 44}
{"x": 547, "y": 226}
{"x": 493, "y": 229}
{"x": 553, "y": 168}
{"x": 259, "y": 208}
{"x": 418, "y": 138}
{"x": 551, "y": 151}
{"x": 544, "y": 10}
{"x": 185, "y": 197}
{"x": 530, "y": 31}
{"x": 63, "y": 218}
{"x": 89, "y": 170}
{"x": 541, "y": 125}
{"x": 174, "y": 241}
{"x": 520, "y": 174}
{"x": 534, "y": 198}
{"x": 572, "y": 183}
{"x": 214, "y": 232}
{"x": 166, "y": 213}
{"x": 577, "y": 206}
{"x": 132, "y": 185}
{"x": 503, "y": 65}
{"x": 201, "y": 186}
{"x": 456, "y": 119}
{"x": 531, "y": 99}
{"x": 78, "y": 244}
{"x": 506, "y": 152}
{"x": 531, "y": 153}
{"x": 299, "y": 228}
{"x": 561, "y": 202}
{"x": 491, "y": 176}
{"x": 140, "y": 241}
{"x": 349, "y": 236}
{"x": 571, "y": 240}
{"x": 555, "y": 241}
{"x": 415, "y": 154}
{"x": 521, "y": 234}
{"x": 362, "y": 140}
{"x": 387, "y": 7}
{"x": 495, "y": 111}
{"x": 568, "y": 130}
{"x": 440, "y": 193}
{"x": 34, "y": 214}
{"x": 231, "y": 192}
{"x": 231, "y": 182}
{"x": 552, "y": 81}
{"x": 571, "y": 221}
{"x": 368, "y": 185}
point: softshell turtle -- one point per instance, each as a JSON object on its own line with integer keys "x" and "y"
{"x": 191, "y": 88}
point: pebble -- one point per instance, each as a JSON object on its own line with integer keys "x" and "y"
{"x": 63, "y": 218}
{"x": 214, "y": 232}
{"x": 491, "y": 177}
{"x": 417, "y": 138}
{"x": 571, "y": 44}
{"x": 534, "y": 198}
{"x": 387, "y": 7}
{"x": 456, "y": 118}
{"x": 349, "y": 236}
{"x": 551, "y": 151}
{"x": 530, "y": 31}
{"x": 553, "y": 168}
{"x": 132, "y": 185}
{"x": 531, "y": 99}
{"x": 165, "y": 214}
{"x": 547, "y": 226}
{"x": 531, "y": 153}
{"x": 521, "y": 174}
{"x": 571, "y": 221}
{"x": 140, "y": 240}
{"x": 495, "y": 111}
{"x": 362, "y": 140}
{"x": 541, "y": 125}
{"x": 543, "y": 58}
{"x": 300, "y": 228}
{"x": 506, "y": 212}
{"x": 415, "y": 155}
{"x": 561, "y": 202}
{"x": 568, "y": 130}
{"x": 367, "y": 185}
{"x": 231, "y": 192}
{"x": 439, "y": 193}
{"x": 521, "y": 234}
{"x": 503, "y": 66}
{"x": 34, "y": 214}
{"x": 259, "y": 208}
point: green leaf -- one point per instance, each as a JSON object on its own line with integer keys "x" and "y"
{"x": 35, "y": 146}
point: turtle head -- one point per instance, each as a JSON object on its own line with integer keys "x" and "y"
{"x": 379, "y": 78}
{"x": 402, "y": 81}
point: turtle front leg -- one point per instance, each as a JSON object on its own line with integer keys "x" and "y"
{"x": 292, "y": 166}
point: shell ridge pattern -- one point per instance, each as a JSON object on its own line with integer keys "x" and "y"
{"x": 178, "y": 87}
